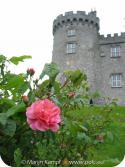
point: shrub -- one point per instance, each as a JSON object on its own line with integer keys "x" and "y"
{"x": 48, "y": 131}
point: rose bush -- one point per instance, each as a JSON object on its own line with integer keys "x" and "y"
{"x": 32, "y": 109}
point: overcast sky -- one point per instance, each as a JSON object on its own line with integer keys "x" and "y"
{"x": 26, "y": 25}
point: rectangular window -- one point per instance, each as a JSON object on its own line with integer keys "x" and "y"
{"x": 71, "y": 48}
{"x": 71, "y": 32}
{"x": 116, "y": 80}
{"x": 115, "y": 51}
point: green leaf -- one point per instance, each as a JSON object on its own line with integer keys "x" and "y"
{"x": 15, "y": 60}
{"x": 3, "y": 118}
{"x": 17, "y": 157}
{"x": 110, "y": 136}
{"x": 84, "y": 137}
{"x": 51, "y": 70}
{"x": 95, "y": 142}
{"x": 18, "y": 108}
{"x": 56, "y": 87}
{"x": 41, "y": 150}
{"x": 76, "y": 77}
{"x": 23, "y": 87}
{"x": 10, "y": 128}
{"x": 80, "y": 135}
{"x": 2, "y": 58}
{"x": 56, "y": 101}
{"x": 13, "y": 81}
{"x": 81, "y": 126}
{"x": 42, "y": 88}
{"x": 5, "y": 104}
{"x": 31, "y": 96}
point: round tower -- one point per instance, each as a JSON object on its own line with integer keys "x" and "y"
{"x": 75, "y": 42}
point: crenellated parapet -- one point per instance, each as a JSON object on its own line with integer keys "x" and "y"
{"x": 109, "y": 39}
{"x": 80, "y": 17}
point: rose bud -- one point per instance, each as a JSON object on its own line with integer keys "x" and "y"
{"x": 71, "y": 94}
{"x": 100, "y": 138}
{"x": 30, "y": 71}
{"x": 63, "y": 146}
{"x": 25, "y": 99}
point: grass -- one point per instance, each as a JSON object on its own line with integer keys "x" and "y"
{"x": 110, "y": 153}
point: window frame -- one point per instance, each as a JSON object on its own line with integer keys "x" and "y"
{"x": 115, "y": 51}
{"x": 71, "y": 48}
{"x": 116, "y": 80}
{"x": 71, "y": 32}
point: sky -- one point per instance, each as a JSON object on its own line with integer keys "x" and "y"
{"x": 26, "y": 25}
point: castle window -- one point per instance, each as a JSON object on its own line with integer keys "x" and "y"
{"x": 115, "y": 51}
{"x": 86, "y": 20}
{"x": 116, "y": 80}
{"x": 68, "y": 20}
{"x": 71, "y": 32}
{"x": 74, "y": 19}
{"x": 71, "y": 48}
{"x": 63, "y": 21}
{"x": 80, "y": 19}
{"x": 91, "y": 22}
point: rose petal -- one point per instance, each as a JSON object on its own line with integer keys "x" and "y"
{"x": 54, "y": 127}
{"x": 41, "y": 126}
{"x": 43, "y": 115}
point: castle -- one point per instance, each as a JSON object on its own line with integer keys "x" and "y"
{"x": 78, "y": 45}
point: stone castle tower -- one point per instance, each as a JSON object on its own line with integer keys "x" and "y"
{"x": 78, "y": 45}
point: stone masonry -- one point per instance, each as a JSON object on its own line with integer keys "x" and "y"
{"x": 78, "y": 45}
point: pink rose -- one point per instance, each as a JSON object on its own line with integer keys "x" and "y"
{"x": 43, "y": 115}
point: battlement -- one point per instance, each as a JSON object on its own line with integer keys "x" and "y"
{"x": 115, "y": 38}
{"x": 80, "y": 17}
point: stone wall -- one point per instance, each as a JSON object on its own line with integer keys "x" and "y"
{"x": 92, "y": 51}
{"x": 109, "y": 66}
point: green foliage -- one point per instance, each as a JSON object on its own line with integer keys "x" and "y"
{"x": 13, "y": 81}
{"x": 17, "y": 157}
{"x": 84, "y": 129}
{"x": 76, "y": 77}
{"x": 110, "y": 136}
{"x": 17, "y": 108}
{"x": 3, "y": 118}
{"x": 15, "y": 60}
{"x": 96, "y": 95}
{"x": 51, "y": 70}
{"x": 2, "y": 59}
{"x": 43, "y": 88}
{"x": 10, "y": 128}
